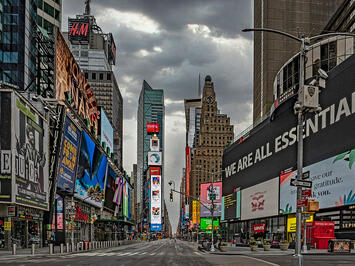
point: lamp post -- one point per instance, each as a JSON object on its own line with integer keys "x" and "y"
{"x": 299, "y": 109}
{"x": 212, "y": 205}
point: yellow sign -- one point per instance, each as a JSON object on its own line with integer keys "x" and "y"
{"x": 195, "y": 211}
{"x": 7, "y": 226}
{"x": 291, "y": 222}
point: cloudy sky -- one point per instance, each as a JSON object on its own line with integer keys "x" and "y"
{"x": 168, "y": 43}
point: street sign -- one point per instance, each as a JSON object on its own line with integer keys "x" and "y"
{"x": 307, "y": 193}
{"x": 302, "y": 203}
{"x": 212, "y": 196}
{"x": 301, "y": 183}
{"x": 305, "y": 175}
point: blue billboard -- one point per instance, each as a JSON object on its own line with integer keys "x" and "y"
{"x": 91, "y": 172}
{"x": 68, "y": 156}
{"x": 106, "y": 131}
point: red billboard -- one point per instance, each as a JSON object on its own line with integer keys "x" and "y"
{"x": 259, "y": 228}
{"x": 154, "y": 171}
{"x": 188, "y": 169}
{"x": 79, "y": 30}
{"x": 152, "y": 127}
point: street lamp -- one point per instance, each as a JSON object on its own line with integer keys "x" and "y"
{"x": 299, "y": 109}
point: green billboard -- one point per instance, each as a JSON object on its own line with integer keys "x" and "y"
{"x": 206, "y": 224}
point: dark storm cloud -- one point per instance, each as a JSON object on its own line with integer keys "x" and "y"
{"x": 225, "y": 17}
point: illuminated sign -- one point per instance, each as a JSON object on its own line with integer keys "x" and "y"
{"x": 154, "y": 171}
{"x": 152, "y": 127}
{"x": 79, "y": 30}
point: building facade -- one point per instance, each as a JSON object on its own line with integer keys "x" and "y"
{"x": 150, "y": 110}
{"x": 49, "y": 14}
{"x": 271, "y": 51}
{"x": 17, "y": 44}
{"x": 215, "y": 134}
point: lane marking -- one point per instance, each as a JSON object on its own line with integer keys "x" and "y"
{"x": 152, "y": 254}
{"x": 260, "y": 260}
{"x": 198, "y": 253}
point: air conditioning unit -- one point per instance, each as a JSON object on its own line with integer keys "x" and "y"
{"x": 309, "y": 96}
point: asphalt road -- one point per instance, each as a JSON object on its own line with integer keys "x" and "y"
{"x": 166, "y": 252}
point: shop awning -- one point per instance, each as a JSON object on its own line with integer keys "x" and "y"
{"x": 115, "y": 221}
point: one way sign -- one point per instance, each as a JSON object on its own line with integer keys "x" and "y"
{"x": 301, "y": 183}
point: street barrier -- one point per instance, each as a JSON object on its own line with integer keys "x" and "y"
{"x": 50, "y": 248}
{"x": 13, "y": 249}
{"x": 33, "y": 249}
{"x": 67, "y": 247}
{"x": 61, "y": 248}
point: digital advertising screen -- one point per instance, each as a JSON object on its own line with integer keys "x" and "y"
{"x": 106, "y": 131}
{"x": 206, "y": 199}
{"x": 155, "y": 203}
{"x": 69, "y": 155}
{"x": 91, "y": 172}
{"x": 111, "y": 187}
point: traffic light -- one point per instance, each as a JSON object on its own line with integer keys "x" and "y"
{"x": 103, "y": 197}
{"x": 171, "y": 196}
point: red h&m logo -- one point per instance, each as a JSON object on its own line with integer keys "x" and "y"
{"x": 79, "y": 29}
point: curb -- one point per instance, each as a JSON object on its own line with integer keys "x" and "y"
{"x": 244, "y": 254}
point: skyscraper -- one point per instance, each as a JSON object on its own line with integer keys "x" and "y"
{"x": 49, "y": 13}
{"x": 215, "y": 133}
{"x": 95, "y": 52}
{"x": 150, "y": 110}
{"x": 271, "y": 51}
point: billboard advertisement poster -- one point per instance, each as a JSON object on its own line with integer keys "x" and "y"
{"x": 106, "y": 131}
{"x": 125, "y": 198}
{"x": 111, "y": 187}
{"x": 206, "y": 223}
{"x": 187, "y": 211}
{"x": 152, "y": 128}
{"x": 155, "y": 203}
{"x": 195, "y": 211}
{"x": 117, "y": 198}
{"x": 91, "y": 172}
{"x": 68, "y": 156}
{"x": 30, "y": 156}
{"x": 5, "y": 146}
{"x": 154, "y": 144}
{"x": 206, "y": 199}
{"x": 59, "y": 214}
{"x": 154, "y": 171}
{"x": 71, "y": 80}
{"x": 154, "y": 158}
{"x": 333, "y": 183}
{"x": 232, "y": 205}
{"x": 260, "y": 200}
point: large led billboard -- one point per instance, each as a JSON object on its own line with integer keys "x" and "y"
{"x": 91, "y": 172}
{"x": 106, "y": 131}
{"x": 69, "y": 155}
{"x": 206, "y": 191}
{"x": 79, "y": 30}
{"x": 30, "y": 136}
{"x": 206, "y": 223}
{"x": 112, "y": 185}
{"x": 155, "y": 203}
{"x": 271, "y": 147}
{"x": 125, "y": 198}
{"x": 154, "y": 158}
{"x": 71, "y": 80}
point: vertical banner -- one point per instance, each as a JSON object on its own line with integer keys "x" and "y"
{"x": 188, "y": 170}
{"x": 5, "y": 146}
{"x": 206, "y": 199}
{"x": 155, "y": 207}
{"x": 194, "y": 211}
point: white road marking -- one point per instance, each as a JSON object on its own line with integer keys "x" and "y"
{"x": 198, "y": 253}
{"x": 260, "y": 260}
{"x": 152, "y": 254}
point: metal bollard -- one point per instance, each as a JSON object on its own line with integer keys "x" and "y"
{"x": 50, "y": 248}
{"x": 67, "y": 247}
{"x": 61, "y": 248}
{"x": 78, "y": 246}
{"x": 33, "y": 249}
{"x": 13, "y": 249}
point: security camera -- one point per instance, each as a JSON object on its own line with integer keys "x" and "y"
{"x": 297, "y": 107}
{"x": 313, "y": 82}
{"x": 323, "y": 74}
{"x": 35, "y": 98}
{"x": 318, "y": 109}
{"x": 46, "y": 108}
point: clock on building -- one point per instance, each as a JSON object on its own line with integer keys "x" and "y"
{"x": 209, "y": 99}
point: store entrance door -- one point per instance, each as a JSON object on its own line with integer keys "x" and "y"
{"x": 19, "y": 233}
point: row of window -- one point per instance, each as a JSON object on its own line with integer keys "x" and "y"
{"x": 50, "y": 10}
{"x": 100, "y": 76}
{"x": 8, "y": 57}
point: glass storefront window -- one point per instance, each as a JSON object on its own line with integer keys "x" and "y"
{"x": 2, "y": 234}
{"x": 33, "y": 233}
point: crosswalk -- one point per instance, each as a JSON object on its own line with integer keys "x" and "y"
{"x": 118, "y": 254}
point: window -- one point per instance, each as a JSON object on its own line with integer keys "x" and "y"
{"x": 93, "y": 75}
{"x": 328, "y": 53}
{"x": 11, "y": 19}
{"x": 86, "y": 75}
{"x": 101, "y": 76}
{"x": 108, "y": 76}
{"x": 40, "y": 4}
{"x": 48, "y": 9}
{"x": 57, "y": 15}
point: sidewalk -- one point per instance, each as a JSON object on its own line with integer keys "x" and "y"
{"x": 45, "y": 250}
{"x": 273, "y": 252}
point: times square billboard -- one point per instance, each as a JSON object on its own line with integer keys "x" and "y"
{"x": 270, "y": 149}
{"x": 24, "y": 152}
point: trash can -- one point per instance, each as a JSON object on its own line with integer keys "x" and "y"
{"x": 339, "y": 246}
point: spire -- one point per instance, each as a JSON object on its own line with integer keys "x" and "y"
{"x": 87, "y": 7}
{"x": 199, "y": 85}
